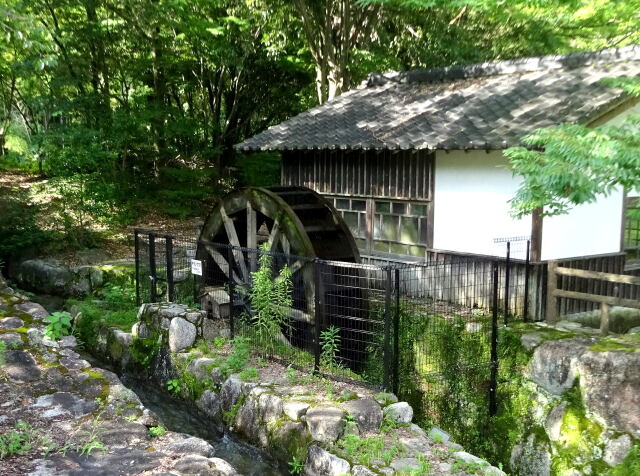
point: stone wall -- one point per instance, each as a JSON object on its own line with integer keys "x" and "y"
{"x": 584, "y": 411}
{"x": 324, "y": 428}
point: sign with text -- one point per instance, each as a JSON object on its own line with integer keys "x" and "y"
{"x": 196, "y": 267}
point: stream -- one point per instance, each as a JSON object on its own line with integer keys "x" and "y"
{"x": 182, "y": 417}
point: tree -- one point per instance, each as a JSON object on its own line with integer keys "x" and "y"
{"x": 572, "y": 164}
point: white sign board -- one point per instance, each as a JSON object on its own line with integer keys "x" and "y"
{"x": 196, "y": 267}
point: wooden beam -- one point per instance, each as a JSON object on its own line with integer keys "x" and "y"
{"x": 611, "y": 300}
{"x": 232, "y": 234}
{"x": 552, "y": 284}
{"x": 274, "y": 236}
{"x": 252, "y": 236}
{"x": 610, "y": 277}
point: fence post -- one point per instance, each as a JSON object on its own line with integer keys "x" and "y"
{"x": 136, "y": 246}
{"x": 604, "y": 319}
{"x": 387, "y": 359}
{"x": 152, "y": 268}
{"x": 506, "y": 283}
{"x": 231, "y": 285}
{"x": 171, "y": 289}
{"x": 317, "y": 304}
{"x": 552, "y": 285}
{"x": 525, "y": 315}
{"x": 396, "y": 335}
{"x": 493, "y": 383}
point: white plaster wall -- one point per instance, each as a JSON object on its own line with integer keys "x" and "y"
{"x": 471, "y": 208}
{"x": 589, "y": 229}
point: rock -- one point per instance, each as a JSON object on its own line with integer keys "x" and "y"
{"x": 201, "y": 367}
{"x": 616, "y": 450}
{"x": 295, "y": 410}
{"x": 194, "y": 317}
{"x": 141, "y": 330}
{"x": 208, "y": 329}
{"x": 553, "y": 423}
{"x": 385, "y": 398}
{"x": 182, "y": 334}
{"x": 288, "y": 438}
{"x": 325, "y": 423}
{"x": 49, "y": 276}
{"x": 33, "y": 309}
{"x": 400, "y": 412}
{"x": 11, "y": 323}
{"x": 35, "y": 336}
{"x": 366, "y": 413}
{"x": 532, "y": 340}
{"x": 119, "y": 343}
{"x": 359, "y": 470}
{"x": 67, "y": 341}
{"x": 405, "y": 465}
{"x": 531, "y": 458}
{"x": 148, "y": 418}
{"x": 66, "y": 402}
{"x": 247, "y": 423}
{"x": 438, "y": 435}
{"x": 610, "y": 387}
{"x": 270, "y": 406}
{"x": 21, "y": 367}
{"x": 416, "y": 430}
{"x": 12, "y": 340}
{"x": 568, "y": 325}
{"x": 220, "y": 467}
{"x": 191, "y": 445}
{"x": 554, "y": 364}
{"x": 634, "y": 330}
{"x": 172, "y": 310}
{"x": 322, "y": 463}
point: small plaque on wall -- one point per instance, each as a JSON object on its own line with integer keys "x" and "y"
{"x": 196, "y": 267}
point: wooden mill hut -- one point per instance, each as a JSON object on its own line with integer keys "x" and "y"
{"x": 414, "y": 161}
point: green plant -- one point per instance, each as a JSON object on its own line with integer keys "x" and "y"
{"x": 270, "y": 299}
{"x": 219, "y": 342}
{"x": 330, "y": 342}
{"x": 291, "y": 375}
{"x": 91, "y": 446}
{"x": 17, "y": 441}
{"x": 159, "y": 430}
{"x": 59, "y": 325}
{"x": 3, "y": 353}
{"x": 239, "y": 356}
{"x": 174, "y": 386}
{"x": 296, "y": 466}
{"x": 249, "y": 374}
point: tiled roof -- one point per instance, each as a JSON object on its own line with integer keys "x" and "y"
{"x": 486, "y": 106}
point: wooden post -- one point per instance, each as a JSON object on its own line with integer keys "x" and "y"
{"x": 604, "y": 319}
{"x": 552, "y": 284}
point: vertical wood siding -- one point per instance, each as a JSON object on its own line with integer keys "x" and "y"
{"x": 389, "y": 174}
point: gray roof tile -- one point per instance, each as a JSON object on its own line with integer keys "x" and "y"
{"x": 491, "y": 105}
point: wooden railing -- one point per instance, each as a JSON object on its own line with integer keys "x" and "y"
{"x": 605, "y": 301}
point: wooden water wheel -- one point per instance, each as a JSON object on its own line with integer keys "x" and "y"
{"x": 294, "y": 221}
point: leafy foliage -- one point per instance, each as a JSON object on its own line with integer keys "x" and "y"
{"x": 270, "y": 298}
{"x": 572, "y": 164}
{"x": 59, "y": 325}
{"x": 330, "y": 343}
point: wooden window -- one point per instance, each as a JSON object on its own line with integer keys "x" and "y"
{"x": 385, "y": 197}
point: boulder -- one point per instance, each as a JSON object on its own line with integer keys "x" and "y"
{"x": 554, "y": 364}
{"x": 553, "y": 422}
{"x": 270, "y": 407}
{"x": 200, "y": 367}
{"x": 610, "y": 387}
{"x": 192, "y": 445}
{"x": 359, "y": 470}
{"x": 182, "y": 334}
{"x": 531, "y": 457}
{"x": 366, "y": 413}
{"x": 49, "y": 276}
{"x": 12, "y": 340}
{"x": 21, "y": 367}
{"x": 532, "y": 340}
{"x": 11, "y": 323}
{"x": 325, "y": 423}
{"x": 616, "y": 450}
{"x": 322, "y": 463}
{"x": 295, "y": 410}
{"x": 209, "y": 403}
{"x": 400, "y": 412}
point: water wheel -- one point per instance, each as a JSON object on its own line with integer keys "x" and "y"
{"x": 296, "y": 222}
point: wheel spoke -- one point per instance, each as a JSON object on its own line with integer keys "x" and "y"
{"x": 232, "y": 234}
{"x": 274, "y": 236}
{"x": 221, "y": 262}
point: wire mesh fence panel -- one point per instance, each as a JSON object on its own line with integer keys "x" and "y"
{"x": 445, "y": 345}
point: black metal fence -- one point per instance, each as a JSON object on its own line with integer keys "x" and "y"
{"x": 427, "y": 331}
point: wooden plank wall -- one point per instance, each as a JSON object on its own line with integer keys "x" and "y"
{"x": 389, "y": 174}
{"x": 465, "y": 280}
